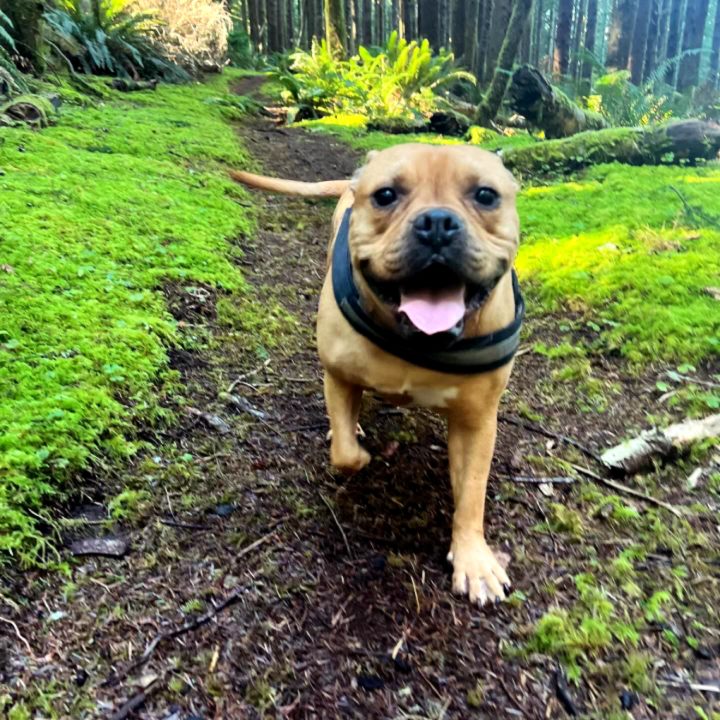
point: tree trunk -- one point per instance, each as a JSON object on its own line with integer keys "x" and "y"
{"x": 561, "y": 59}
{"x": 590, "y": 33}
{"x": 577, "y": 39}
{"x": 682, "y": 141}
{"x": 715, "y": 55}
{"x": 410, "y": 10}
{"x": 500, "y": 20}
{"x": 335, "y": 30}
{"x": 396, "y": 20}
{"x": 537, "y": 32}
{"x": 620, "y": 37}
{"x": 674, "y": 39}
{"x": 689, "y": 73}
{"x": 653, "y": 39}
{"x": 254, "y": 22}
{"x": 490, "y": 104}
{"x": 427, "y": 18}
{"x": 471, "y": 33}
{"x": 638, "y": 47}
{"x": 380, "y": 22}
{"x": 367, "y": 25}
{"x": 459, "y": 22}
{"x": 549, "y": 109}
{"x": 350, "y": 25}
{"x": 484, "y": 26}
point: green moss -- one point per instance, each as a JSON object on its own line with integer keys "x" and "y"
{"x": 613, "y": 248}
{"x": 99, "y": 212}
{"x": 576, "y": 635}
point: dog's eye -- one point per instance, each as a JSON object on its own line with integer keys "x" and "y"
{"x": 487, "y": 197}
{"x": 384, "y": 196}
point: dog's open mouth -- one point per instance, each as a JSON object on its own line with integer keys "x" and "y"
{"x": 435, "y": 300}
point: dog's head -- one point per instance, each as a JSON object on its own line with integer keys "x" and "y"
{"x": 433, "y": 230}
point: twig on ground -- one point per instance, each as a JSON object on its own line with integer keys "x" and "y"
{"x": 532, "y": 479}
{"x": 135, "y": 702}
{"x": 183, "y": 525}
{"x": 688, "y": 685}
{"x": 339, "y": 526}
{"x": 245, "y": 376}
{"x": 625, "y": 489}
{"x": 532, "y": 427}
{"x": 18, "y": 634}
{"x": 204, "y": 619}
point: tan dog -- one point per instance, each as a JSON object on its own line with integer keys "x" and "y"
{"x": 433, "y": 236}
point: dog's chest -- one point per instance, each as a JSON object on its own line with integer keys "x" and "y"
{"x": 408, "y": 394}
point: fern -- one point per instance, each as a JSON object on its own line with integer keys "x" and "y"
{"x": 101, "y": 39}
{"x": 398, "y": 82}
{"x": 11, "y": 81}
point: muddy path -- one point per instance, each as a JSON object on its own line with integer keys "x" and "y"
{"x": 276, "y": 587}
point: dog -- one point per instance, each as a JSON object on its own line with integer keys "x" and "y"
{"x": 429, "y": 235}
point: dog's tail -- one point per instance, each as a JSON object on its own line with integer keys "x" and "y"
{"x": 328, "y": 188}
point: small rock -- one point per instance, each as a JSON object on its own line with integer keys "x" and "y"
{"x": 704, "y": 653}
{"x": 546, "y": 489}
{"x": 713, "y": 292}
{"x": 81, "y": 677}
{"x": 608, "y": 247}
{"x": 628, "y": 700}
{"x": 370, "y": 682}
{"x": 107, "y": 547}
{"x": 230, "y": 582}
{"x": 225, "y": 510}
{"x": 694, "y": 478}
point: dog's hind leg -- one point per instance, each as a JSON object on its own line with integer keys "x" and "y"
{"x": 343, "y": 407}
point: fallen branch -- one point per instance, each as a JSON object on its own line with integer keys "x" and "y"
{"x": 713, "y": 687}
{"x": 538, "y": 429}
{"x": 639, "y": 452}
{"x": 619, "y": 487}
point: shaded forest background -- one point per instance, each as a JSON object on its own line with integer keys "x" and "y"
{"x": 673, "y": 41}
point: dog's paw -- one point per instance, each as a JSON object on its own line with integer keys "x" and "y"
{"x": 478, "y": 572}
{"x": 349, "y": 460}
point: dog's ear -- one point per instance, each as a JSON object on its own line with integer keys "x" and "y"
{"x": 357, "y": 174}
{"x": 371, "y": 155}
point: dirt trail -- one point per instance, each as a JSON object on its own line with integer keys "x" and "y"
{"x": 341, "y": 603}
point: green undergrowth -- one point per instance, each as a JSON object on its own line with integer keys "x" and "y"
{"x": 99, "y": 213}
{"x": 619, "y": 247}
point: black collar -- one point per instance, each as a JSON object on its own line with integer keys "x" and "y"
{"x": 459, "y": 356}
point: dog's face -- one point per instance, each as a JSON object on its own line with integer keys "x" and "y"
{"x": 433, "y": 230}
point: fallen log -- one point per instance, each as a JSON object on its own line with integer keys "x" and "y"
{"x": 639, "y": 452}
{"x": 549, "y": 109}
{"x": 681, "y": 141}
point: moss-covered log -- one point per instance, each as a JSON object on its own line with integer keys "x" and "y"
{"x": 668, "y": 144}
{"x": 549, "y": 109}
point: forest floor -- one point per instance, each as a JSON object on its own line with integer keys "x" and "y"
{"x": 261, "y": 584}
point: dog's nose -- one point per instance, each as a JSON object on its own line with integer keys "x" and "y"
{"x": 437, "y": 228}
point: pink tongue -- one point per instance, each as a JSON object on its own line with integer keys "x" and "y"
{"x": 434, "y": 312}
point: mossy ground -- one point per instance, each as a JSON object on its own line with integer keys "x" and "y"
{"x": 99, "y": 212}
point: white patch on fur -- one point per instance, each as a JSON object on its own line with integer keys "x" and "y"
{"x": 432, "y": 397}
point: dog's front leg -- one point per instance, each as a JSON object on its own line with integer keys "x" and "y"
{"x": 476, "y": 570}
{"x": 342, "y": 400}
